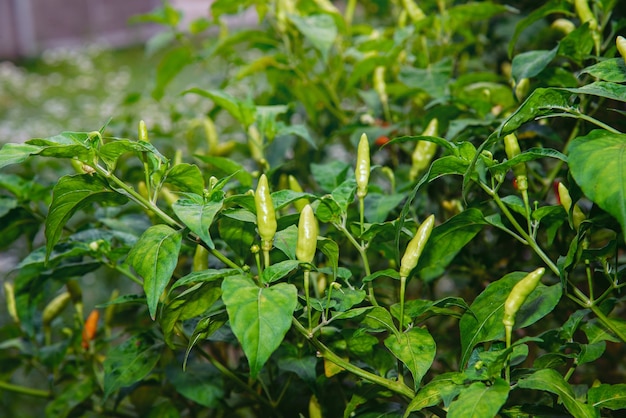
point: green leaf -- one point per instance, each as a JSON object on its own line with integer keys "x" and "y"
{"x": 71, "y": 194}
{"x": 198, "y": 215}
{"x": 205, "y": 328}
{"x": 203, "y": 276}
{"x": 297, "y": 130}
{"x": 393, "y": 273}
{"x": 444, "y": 387}
{"x": 259, "y": 317}
{"x": 329, "y": 176}
{"x": 612, "y": 69}
{"x": 70, "y": 397}
{"x": 330, "y": 249}
{"x": 554, "y": 6}
{"x": 228, "y": 167}
{"x": 531, "y": 63}
{"x": 598, "y": 164}
{"x": 16, "y": 153}
{"x": 433, "y": 80}
{"x": 446, "y": 240}
{"x": 111, "y": 151}
{"x": 577, "y": 45}
{"x": 483, "y": 322}
{"x": 187, "y": 177}
{"x": 238, "y": 235}
{"x": 78, "y": 145}
{"x": 608, "y": 396}
{"x": 378, "y": 205}
{"x": 170, "y": 65}
{"x": 319, "y": 29}
{"x": 550, "y": 380}
{"x": 243, "y": 111}
{"x": 479, "y": 400}
{"x": 191, "y": 303}
{"x": 604, "y": 89}
{"x": 416, "y": 349}
{"x": 541, "y": 102}
{"x": 286, "y": 240}
{"x": 154, "y": 257}
{"x": 528, "y": 155}
{"x": 278, "y": 271}
{"x": 130, "y": 362}
{"x": 200, "y": 384}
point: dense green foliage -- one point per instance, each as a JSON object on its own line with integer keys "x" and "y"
{"x": 231, "y": 305}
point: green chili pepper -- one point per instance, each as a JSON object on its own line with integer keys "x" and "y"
{"x": 295, "y": 186}
{"x": 265, "y": 215}
{"x": 55, "y": 307}
{"x": 586, "y": 16}
{"x": 416, "y": 246}
{"x": 143, "y": 131}
{"x": 518, "y": 296}
{"x": 424, "y": 150}
{"x": 307, "y": 235}
{"x": 9, "y": 293}
{"x": 620, "y": 42}
{"x": 362, "y": 166}
{"x": 413, "y": 10}
{"x": 200, "y": 258}
{"x": 566, "y": 201}
{"x": 511, "y": 146}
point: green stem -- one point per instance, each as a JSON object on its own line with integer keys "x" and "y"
{"x": 402, "y": 292}
{"x": 306, "y": 296}
{"x": 363, "y": 253}
{"x": 122, "y": 268}
{"x": 24, "y": 390}
{"x": 349, "y": 14}
{"x": 325, "y": 352}
{"x": 223, "y": 258}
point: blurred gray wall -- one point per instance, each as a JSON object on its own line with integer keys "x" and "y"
{"x": 27, "y": 27}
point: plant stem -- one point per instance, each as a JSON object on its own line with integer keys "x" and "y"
{"x": 24, "y": 390}
{"x": 363, "y": 253}
{"x": 307, "y": 296}
{"x": 328, "y": 354}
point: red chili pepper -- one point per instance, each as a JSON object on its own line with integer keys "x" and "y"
{"x": 90, "y": 328}
{"x": 382, "y": 140}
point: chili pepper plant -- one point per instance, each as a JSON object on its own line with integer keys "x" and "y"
{"x": 392, "y": 209}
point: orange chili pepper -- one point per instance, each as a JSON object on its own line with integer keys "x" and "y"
{"x": 90, "y": 328}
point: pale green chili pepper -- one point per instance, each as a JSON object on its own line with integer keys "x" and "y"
{"x": 620, "y": 42}
{"x": 424, "y": 150}
{"x": 511, "y": 146}
{"x": 265, "y": 214}
{"x": 517, "y": 297}
{"x": 416, "y": 246}
{"x": 362, "y": 166}
{"x": 307, "y": 235}
{"x": 566, "y": 201}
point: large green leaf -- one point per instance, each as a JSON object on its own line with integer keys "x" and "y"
{"x": 69, "y": 398}
{"x": 612, "y": 69}
{"x": 130, "y": 362}
{"x": 243, "y": 111}
{"x": 550, "y": 380}
{"x": 433, "y": 80}
{"x": 154, "y": 256}
{"x": 111, "y": 151}
{"x": 598, "y": 164}
{"x": 171, "y": 64}
{"x": 191, "y": 303}
{"x": 16, "y": 153}
{"x": 259, "y": 316}
{"x": 319, "y": 29}
{"x": 529, "y": 64}
{"x": 483, "y": 322}
{"x": 198, "y": 215}
{"x": 442, "y": 388}
{"x": 605, "y": 89}
{"x": 447, "y": 240}
{"x": 187, "y": 177}
{"x": 554, "y": 6}
{"x": 227, "y": 167}
{"x": 200, "y": 384}
{"x": 479, "y": 400}
{"x": 541, "y": 102}
{"x": 69, "y": 195}
{"x": 416, "y": 349}
{"x": 608, "y": 396}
